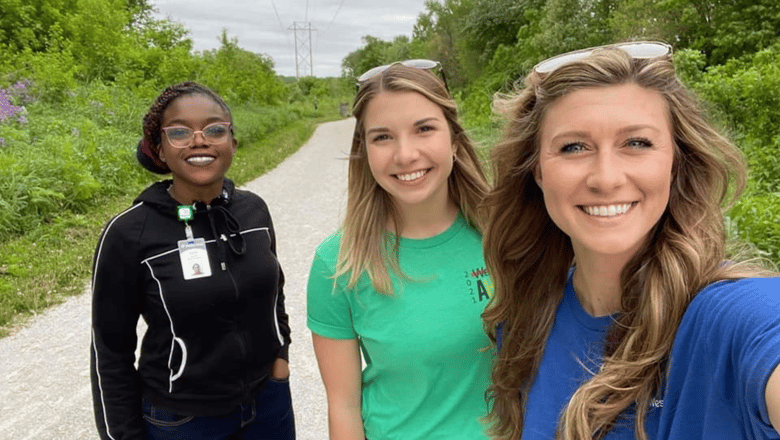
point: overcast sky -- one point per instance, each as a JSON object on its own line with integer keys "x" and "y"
{"x": 263, "y": 26}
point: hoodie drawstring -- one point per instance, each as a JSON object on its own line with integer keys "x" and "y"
{"x": 231, "y": 235}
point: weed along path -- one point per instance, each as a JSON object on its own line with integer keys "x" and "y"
{"x": 44, "y": 368}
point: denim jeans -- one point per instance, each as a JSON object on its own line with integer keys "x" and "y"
{"x": 268, "y": 417}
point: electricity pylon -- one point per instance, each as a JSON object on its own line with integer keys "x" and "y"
{"x": 302, "y": 55}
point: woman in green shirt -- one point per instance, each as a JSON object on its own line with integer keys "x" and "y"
{"x": 403, "y": 280}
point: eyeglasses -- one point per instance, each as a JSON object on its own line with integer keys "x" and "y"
{"x": 636, "y": 49}
{"x": 418, "y": 64}
{"x": 182, "y": 137}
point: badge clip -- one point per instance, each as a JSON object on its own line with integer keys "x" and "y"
{"x": 185, "y": 214}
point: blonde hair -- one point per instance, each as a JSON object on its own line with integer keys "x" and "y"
{"x": 528, "y": 257}
{"x": 365, "y": 244}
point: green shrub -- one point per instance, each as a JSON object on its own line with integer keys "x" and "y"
{"x": 747, "y": 94}
{"x": 756, "y": 219}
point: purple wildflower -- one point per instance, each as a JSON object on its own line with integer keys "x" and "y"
{"x": 20, "y": 91}
{"x": 6, "y": 108}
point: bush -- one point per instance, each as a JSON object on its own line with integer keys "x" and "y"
{"x": 67, "y": 155}
{"x": 756, "y": 219}
{"x": 747, "y": 94}
{"x": 253, "y": 123}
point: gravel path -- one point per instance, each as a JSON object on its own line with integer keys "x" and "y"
{"x": 44, "y": 368}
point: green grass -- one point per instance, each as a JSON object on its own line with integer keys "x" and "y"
{"x": 52, "y": 262}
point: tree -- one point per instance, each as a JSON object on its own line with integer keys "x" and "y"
{"x": 28, "y": 24}
{"x": 735, "y": 28}
{"x": 492, "y": 23}
{"x": 373, "y": 53}
{"x": 239, "y": 75}
{"x": 571, "y": 24}
{"x": 721, "y": 29}
{"x": 441, "y": 28}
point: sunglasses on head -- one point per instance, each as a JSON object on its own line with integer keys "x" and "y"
{"x": 636, "y": 50}
{"x": 418, "y": 64}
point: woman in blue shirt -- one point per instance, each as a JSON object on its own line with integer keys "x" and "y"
{"x": 616, "y": 309}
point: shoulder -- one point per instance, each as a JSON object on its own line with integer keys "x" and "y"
{"x": 736, "y": 295}
{"x": 126, "y": 221}
{"x": 735, "y": 308}
{"x": 151, "y": 202}
{"x": 328, "y": 249}
{"x": 121, "y": 235}
{"x": 146, "y": 212}
{"x": 250, "y": 210}
{"x": 241, "y": 196}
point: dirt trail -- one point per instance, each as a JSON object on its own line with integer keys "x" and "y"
{"x": 44, "y": 368}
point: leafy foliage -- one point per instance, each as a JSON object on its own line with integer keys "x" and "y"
{"x": 747, "y": 93}
{"x": 494, "y": 23}
{"x": 239, "y": 75}
{"x": 756, "y": 219}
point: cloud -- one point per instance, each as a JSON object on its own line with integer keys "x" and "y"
{"x": 399, "y": 18}
{"x": 265, "y": 26}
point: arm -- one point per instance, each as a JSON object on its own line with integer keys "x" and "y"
{"x": 281, "y": 314}
{"x": 282, "y": 318}
{"x": 339, "y": 363}
{"x": 773, "y": 398}
{"x": 116, "y": 307}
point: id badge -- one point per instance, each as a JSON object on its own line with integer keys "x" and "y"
{"x": 194, "y": 258}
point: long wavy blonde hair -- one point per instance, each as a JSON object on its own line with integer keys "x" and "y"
{"x": 365, "y": 245}
{"x": 528, "y": 256}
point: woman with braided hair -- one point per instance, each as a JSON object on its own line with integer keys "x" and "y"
{"x": 196, "y": 258}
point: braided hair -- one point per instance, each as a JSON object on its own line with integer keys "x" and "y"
{"x": 153, "y": 118}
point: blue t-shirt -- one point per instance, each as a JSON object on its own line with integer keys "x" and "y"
{"x": 725, "y": 349}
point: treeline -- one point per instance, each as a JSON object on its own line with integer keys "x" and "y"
{"x": 728, "y": 51}
{"x": 60, "y": 44}
{"x": 76, "y": 77}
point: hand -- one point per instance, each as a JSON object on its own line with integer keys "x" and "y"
{"x": 280, "y": 369}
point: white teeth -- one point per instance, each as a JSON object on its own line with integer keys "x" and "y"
{"x": 412, "y": 176}
{"x": 607, "y": 211}
{"x": 200, "y": 159}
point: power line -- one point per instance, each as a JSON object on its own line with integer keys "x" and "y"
{"x": 341, "y": 3}
{"x": 279, "y": 19}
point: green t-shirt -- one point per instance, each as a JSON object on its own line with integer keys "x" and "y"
{"x": 426, "y": 354}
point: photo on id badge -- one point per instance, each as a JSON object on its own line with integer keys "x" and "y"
{"x": 194, "y": 258}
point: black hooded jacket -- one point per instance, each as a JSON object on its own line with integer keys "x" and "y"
{"x": 211, "y": 341}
